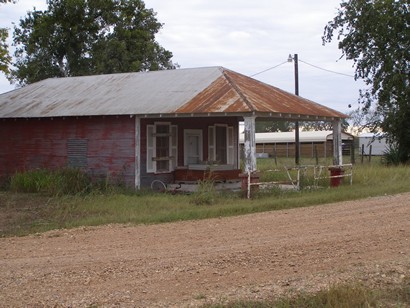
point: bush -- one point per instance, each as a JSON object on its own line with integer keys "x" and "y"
{"x": 55, "y": 183}
{"x": 205, "y": 194}
{"x": 392, "y": 155}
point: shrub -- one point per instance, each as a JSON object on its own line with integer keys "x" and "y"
{"x": 60, "y": 182}
{"x": 205, "y": 194}
{"x": 392, "y": 155}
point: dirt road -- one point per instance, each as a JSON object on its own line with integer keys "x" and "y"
{"x": 190, "y": 263}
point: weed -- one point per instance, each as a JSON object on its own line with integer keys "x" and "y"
{"x": 205, "y": 193}
{"x": 337, "y": 296}
{"x": 60, "y": 182}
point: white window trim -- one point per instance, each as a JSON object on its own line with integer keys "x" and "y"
{"x": 152, "y": 151}
{"x": 230, "y": 143}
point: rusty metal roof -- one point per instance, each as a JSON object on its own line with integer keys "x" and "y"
{"x": 210, "y": 90}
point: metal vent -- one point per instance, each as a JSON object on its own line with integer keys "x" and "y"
{"x": 77, "y": 153}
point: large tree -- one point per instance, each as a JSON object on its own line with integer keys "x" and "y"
{"x": 85, "y": 37}
{"x": 5, "y": 58}
{"x": 375, "y": 34}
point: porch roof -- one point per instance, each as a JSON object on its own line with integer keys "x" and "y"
{"x": 181, "y": 92}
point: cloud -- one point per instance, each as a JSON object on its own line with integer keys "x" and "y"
{"x": 248, "y": 37}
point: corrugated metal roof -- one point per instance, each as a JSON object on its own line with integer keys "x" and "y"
{"x": 289, "y": 137}
{"x": 183, "y": 91}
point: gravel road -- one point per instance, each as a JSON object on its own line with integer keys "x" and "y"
{"x": 184, "y": 264}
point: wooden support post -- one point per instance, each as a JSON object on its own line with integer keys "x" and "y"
{"x": 352, "y": 156}
{"x": 370, "y": 153}
{"x": 249, "y": 145}
{"x": 337, "y": 143}
{"x": 137, "y": 153}
{"x": 362, "y": 153}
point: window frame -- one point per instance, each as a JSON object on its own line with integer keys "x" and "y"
{"x": 230, "y": 143}
{"x": 151, "y": 145}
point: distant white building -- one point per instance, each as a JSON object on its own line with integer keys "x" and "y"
{"x": 282, "y": 144}
{"x": 378, "y": 144}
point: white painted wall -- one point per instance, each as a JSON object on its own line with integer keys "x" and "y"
{"x": 379, "y": 146}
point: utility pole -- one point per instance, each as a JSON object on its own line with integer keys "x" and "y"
{"x": 297, "y": 140}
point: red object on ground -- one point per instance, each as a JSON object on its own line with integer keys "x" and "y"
{"x": 336, "y": 176}
{"x": 253, "y": 179}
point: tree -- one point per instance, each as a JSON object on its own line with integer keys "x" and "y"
{"x": 273, "y": 126}
{"x": 321, "y": 125}
{"x": 80, "y": 37}
{"x": 375, "y": 35}
{"x": 5, "y": 58}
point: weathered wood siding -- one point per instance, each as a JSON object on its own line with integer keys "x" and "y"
{"x": 182, "y": 124}
{"x": 103, "y": 146}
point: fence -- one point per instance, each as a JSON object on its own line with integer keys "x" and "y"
{"x": 336, "y": 174}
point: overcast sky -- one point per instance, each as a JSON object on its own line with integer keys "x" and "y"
{"x": 247, "y": 37}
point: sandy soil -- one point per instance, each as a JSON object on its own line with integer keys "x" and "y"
{"x": 190, "y": 263}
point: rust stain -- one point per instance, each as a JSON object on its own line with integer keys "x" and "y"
{"x": 266, "y": 98}
{"x": 218, "y": 97}
{"x": 236, "y": 93}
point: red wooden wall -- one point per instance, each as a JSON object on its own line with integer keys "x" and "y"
{"x": 43, "y": 143}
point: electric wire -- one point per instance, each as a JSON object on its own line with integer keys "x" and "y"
{"x": 326, "y": 70}
{"x": 268, "y": 69}
{"x": 307, "y": 63}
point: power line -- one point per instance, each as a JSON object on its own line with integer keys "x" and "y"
{"x": 268, "y": 69}
{"x": 312, "y": 65}
{"x": 326, "y": 70}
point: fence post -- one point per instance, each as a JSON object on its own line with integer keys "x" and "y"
{"x": 275, "y": 156}
{"x": 370, "y": 153}
{"x": 352, "y": 158}
{"x": 316, "y": 155}
{"x": 362, "y": 152}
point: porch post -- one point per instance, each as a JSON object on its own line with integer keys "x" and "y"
{"x": 249, "y": 144}
{"x": 337, "y": 142}
{"x": 137, "y": 152}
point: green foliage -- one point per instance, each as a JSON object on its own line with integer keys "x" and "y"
{"x": 79, "y": 37}
{"x": 375, "y": 35}
{"x": 118, "y": 206}
{"x": 321, "y": 125}
{"x": 392, "y": 155}
{"x": 337, "y": 296}
{"x": 274, "y": 126}
{"x": 54, "y": 183}
{"x": 205, "y": 194}
{"x": 5, "y": 58}
{"x": 4, "y": 53}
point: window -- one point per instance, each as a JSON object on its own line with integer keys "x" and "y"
{"x": 161, "y": 147}
{"x": 221, "y": 144}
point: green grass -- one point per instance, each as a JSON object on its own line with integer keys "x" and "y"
{"x": 28, "y": 213}
{"x": 338, "y": 296}
{"x": 25, "y": 213}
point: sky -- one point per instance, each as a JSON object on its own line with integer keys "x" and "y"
{"x": 247, "y": 37}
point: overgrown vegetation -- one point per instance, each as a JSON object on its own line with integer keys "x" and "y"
{"x": 39, "y": 201}
{"x": 56, "y": 206}
{"x": 53, "y": 183}
{"x": 338, "y": 296}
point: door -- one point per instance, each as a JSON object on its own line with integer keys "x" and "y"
{"x": 192, "y": 146}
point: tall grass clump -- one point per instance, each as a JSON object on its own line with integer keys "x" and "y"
{"x": 392, "y": 156}
{"x": 60, "y": 182}
{"x": 337, "y": 296}
{"x": 205, "y": 193}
